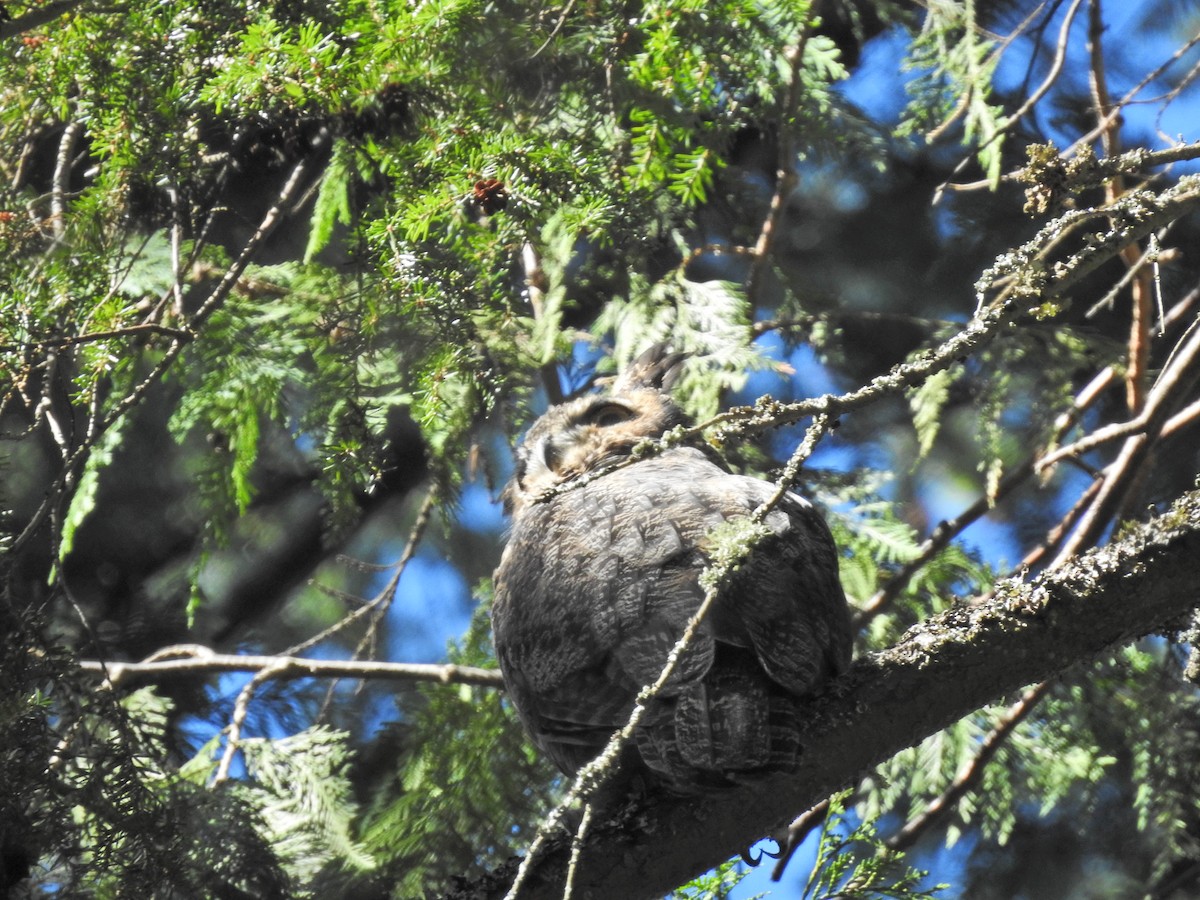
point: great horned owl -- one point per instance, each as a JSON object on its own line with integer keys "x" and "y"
{"x": 599, "y": 579}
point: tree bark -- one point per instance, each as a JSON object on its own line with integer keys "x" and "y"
{"x": 941, "y": 670}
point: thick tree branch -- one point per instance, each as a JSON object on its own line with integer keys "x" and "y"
{"x": 940, "y": 671}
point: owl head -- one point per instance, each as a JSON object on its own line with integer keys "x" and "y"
{"x": 590, "y": 432}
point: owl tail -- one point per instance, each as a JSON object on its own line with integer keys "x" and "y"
{"x": 733, "y": 726}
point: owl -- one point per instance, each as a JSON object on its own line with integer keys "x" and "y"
{"x": 601, "y": 574}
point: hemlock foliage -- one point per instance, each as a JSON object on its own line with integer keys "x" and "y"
{"x": 281, "y": 282}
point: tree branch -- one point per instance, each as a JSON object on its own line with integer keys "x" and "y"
{"x": 127, "y": 331}
{"x": 940, "y": 671}
{"x": 36, "y": 18}
{"x": 202, "y": 661}
{"x": 1021, "y": 281}
{"x": 785, "y": 159}
{"x": 1178, "y": 377}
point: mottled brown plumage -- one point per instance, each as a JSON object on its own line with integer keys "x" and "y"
{"x": 598, "y": 581}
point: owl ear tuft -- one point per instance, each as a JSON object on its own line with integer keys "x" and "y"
{"x": 657, "y": 368}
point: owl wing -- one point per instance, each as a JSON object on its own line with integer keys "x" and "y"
{"x": 788, "y": 598}
{"x": 597, "y": 585}
{"x": 593, "y": 588}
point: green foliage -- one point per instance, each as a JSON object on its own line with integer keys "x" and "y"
{"x": 89, "y": 803}
{"x": 854, "y": 863}
{"x": 277, "y": 66}
{"x": 98, "y": 808}
{"x": 707, "y": 319}
{"x": 877, "y": 546}
{"x": 1038, "y": 366}
{"x": 298, "y": 785}
{"x": 622, "y": 173}
{"x": 84, "y": 498}
{"x": 252, "y": 354}
{"x": 954, "y": 66}
{"x": 464, "y": 789}
{"x": 332, "y": 206}
{"x": 927, "y": 403}
{"x": 1133, "y": 706}
{"x": 715, "y": 885}
{"x": 1059, "y": 762}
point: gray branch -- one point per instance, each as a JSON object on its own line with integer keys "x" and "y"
{"x": 288, "y": 667}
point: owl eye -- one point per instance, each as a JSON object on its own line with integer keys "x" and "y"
{"x": 608, "y": 415}
{"x": 551, "y": 455}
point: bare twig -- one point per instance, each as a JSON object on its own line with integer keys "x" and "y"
{"x": 241, "y": 707}
{"x": 1132, "y": 93}
{"x": 1056, "y": 68}
{"x": 1109, "y": 118}
{"x": 1056, "y": 535}
{"x": 1179, "y": 311}
{"x": 801, "y": 827}
{"x": 785, "y": 158}
{"x": 1134, "y": 269}
{"x": 176, "y": 244}
{"x": 1139, "y": 331}
{"x": 1136, "y": 160}
{"x": 837, "y": 317}
{"x": 381, "y": 601}
{"x": 202, "y": 661}
{"x": 61, "y": 184}
{"x": 791, "y": 471}
{"x": 377, "y": 608}
{"x": 1175, "y": 382}
{"x": 576, "y": 848}
{"x": 554, "y": 32}
{"x": 1181, "y": 419}
{"x": 1097, "y": 438}
{"x": 1028, "y": 276}
{"x": 73, "y": 340}
{"x": 1172, "y": 95}
{"x": 948, "y": 529}
{"x": 46, "y": 408}
{"x": 972, "y": 771}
